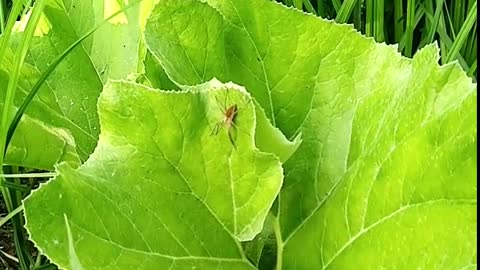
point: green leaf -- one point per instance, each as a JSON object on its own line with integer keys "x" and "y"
{"x": 155, "y": 74}
{"x": 204, "y": 60}
{"x": 268, "y": 138}
{"x": 49, "y": 146}
{"x": 69, "y": 96}
{"x": 385, "y": 176}
{"x": 160, "y": 190}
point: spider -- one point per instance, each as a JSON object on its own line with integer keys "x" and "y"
{"x": 228, "y": 121}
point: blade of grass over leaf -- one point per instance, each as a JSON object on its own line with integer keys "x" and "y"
{"x": 463, "y": 33}
{"x": 11, "y": 197}
{"x": 6, "y": 34}
{"x": 32, "y": 93}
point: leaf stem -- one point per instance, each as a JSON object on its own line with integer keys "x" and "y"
{"x": 279, "y": 240}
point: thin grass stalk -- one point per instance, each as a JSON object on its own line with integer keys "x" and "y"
{"x": 10, "y": 198}
{"x": 10, "y": 215}
{"x": 16, "y": 10}
{"x": 472, "y": 69}
{"x": 357, "y": 16}
{"x": 3, "y": 12}
{"x": 409, "y": 27}
{"x": 369, "y": 18}
{"x": 436, "y": 20}
{"x": 321, "y": 8}
{"x": 451, "y": 28}
{"x": 336, "y": 5}
{"x": 458, "y": 8}
{"x": 378, "y": 23}
{"x": 398, "y": 20}
{"x": 309, "y": 7}
{"x": 345, "y": 11}
{"x": 463, "y": 33}
{"x": 33, "y": 92}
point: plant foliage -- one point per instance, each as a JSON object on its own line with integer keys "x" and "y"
{"x": 342, "y": 154}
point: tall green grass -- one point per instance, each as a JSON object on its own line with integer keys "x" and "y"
{"x": 412, "y": 24}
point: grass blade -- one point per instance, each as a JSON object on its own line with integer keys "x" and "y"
{"x": 472, "y": 69}
{"x": 336, "y": 5}
{"x": 458, "y": 8}
{"x": 309, "y": 7}
{"x": 30, "y": 175}
{"x": 15, "y": 187}
{"x": 463, "y": 33}
{"x": 357, "y": 15}
{"x": 369, "y": 18}
{"x": 50, "y": 69}
{"x": 11, "y": 197}
{"x": 434, "y": 24}
{"x": 321, "y": 11}
{"x": 345, "y": 11}
{"x": 15, "y": 12}
{"x": 398, "y": 18}
{"x": 3, "y": 9}
{"x": 11, "y": 215}
{"x": 409, "y": 27}
{"x": 378, "y": 23}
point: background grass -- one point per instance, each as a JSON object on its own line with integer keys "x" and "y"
{"x": 412, "y": 24}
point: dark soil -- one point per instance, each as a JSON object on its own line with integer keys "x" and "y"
{"x": 6, "y": 241}
{"x": 8, "y": 254}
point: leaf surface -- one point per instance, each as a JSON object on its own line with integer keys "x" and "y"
{"x": 69, "y": 96}
{"x": 385, "y": 176}
{"x": 160, "y": 191}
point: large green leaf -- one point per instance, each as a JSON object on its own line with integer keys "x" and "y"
{"x": 160, "y": 190}
{"x": 385, "y": 176}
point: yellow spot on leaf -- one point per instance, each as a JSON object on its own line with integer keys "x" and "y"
{"x": 112, "y": 6}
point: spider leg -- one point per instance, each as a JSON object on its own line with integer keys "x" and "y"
{"x": 219, "y": 104}
{"x": 238, "y": 128}
{"x": 230, "y": 137}
{"x": 215, "y": 129}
